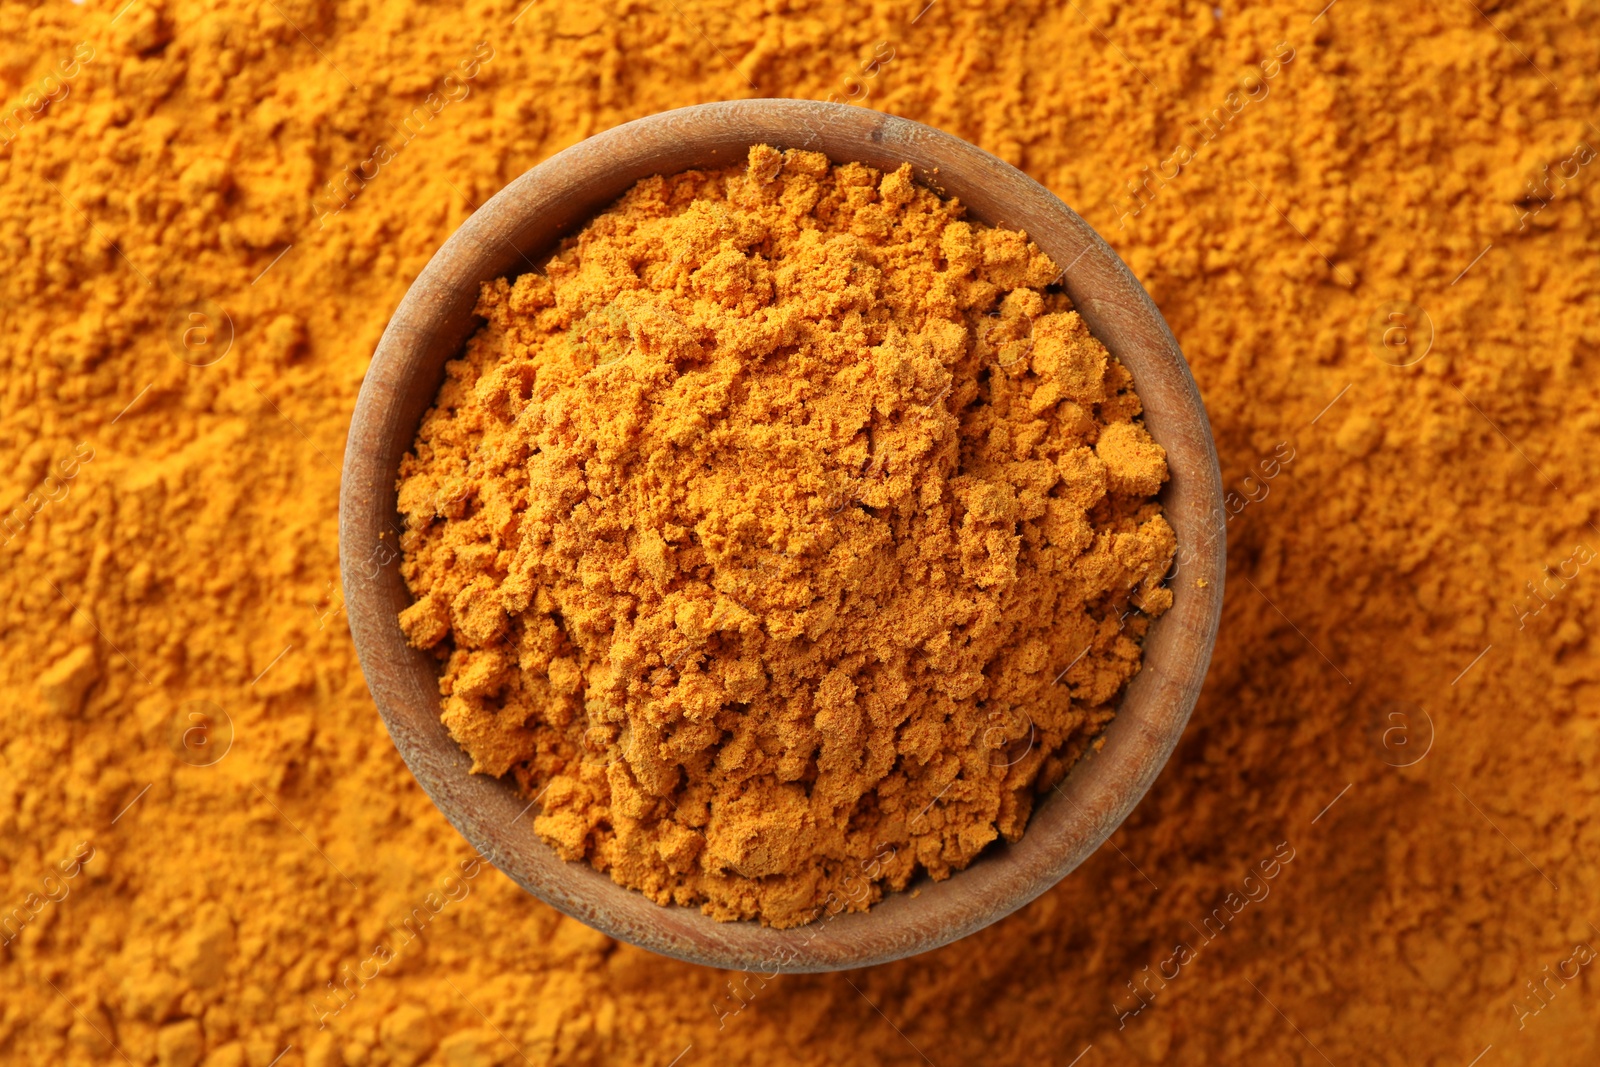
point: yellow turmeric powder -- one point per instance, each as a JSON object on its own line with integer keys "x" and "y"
{"x": 1388, "y": 696}
{"x": 779, "y": 536}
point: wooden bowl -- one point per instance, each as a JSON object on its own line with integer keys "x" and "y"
{"x": 554, "y": 199}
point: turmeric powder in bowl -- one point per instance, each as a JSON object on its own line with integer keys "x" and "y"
{"x": 783, "y": 535}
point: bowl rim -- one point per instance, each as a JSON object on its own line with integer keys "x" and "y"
{"x": 556, "y": 197}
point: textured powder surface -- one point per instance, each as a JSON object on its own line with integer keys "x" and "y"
{"x": 1384, "y": 570}
{"x": 780, "y": 535}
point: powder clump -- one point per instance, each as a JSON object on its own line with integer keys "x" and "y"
{"x": 784, "y": 535}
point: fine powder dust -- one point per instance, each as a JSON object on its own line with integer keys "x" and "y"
{"x": 783, "y": 535}
{"x": 245, "y": 899}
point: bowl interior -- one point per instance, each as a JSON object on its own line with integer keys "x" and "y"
{"x": 524, "y": 221}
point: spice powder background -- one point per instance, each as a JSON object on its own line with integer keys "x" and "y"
{"x": 1392, "y": 705}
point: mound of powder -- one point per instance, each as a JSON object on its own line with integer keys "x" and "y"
{"x": 784, "y": 534}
